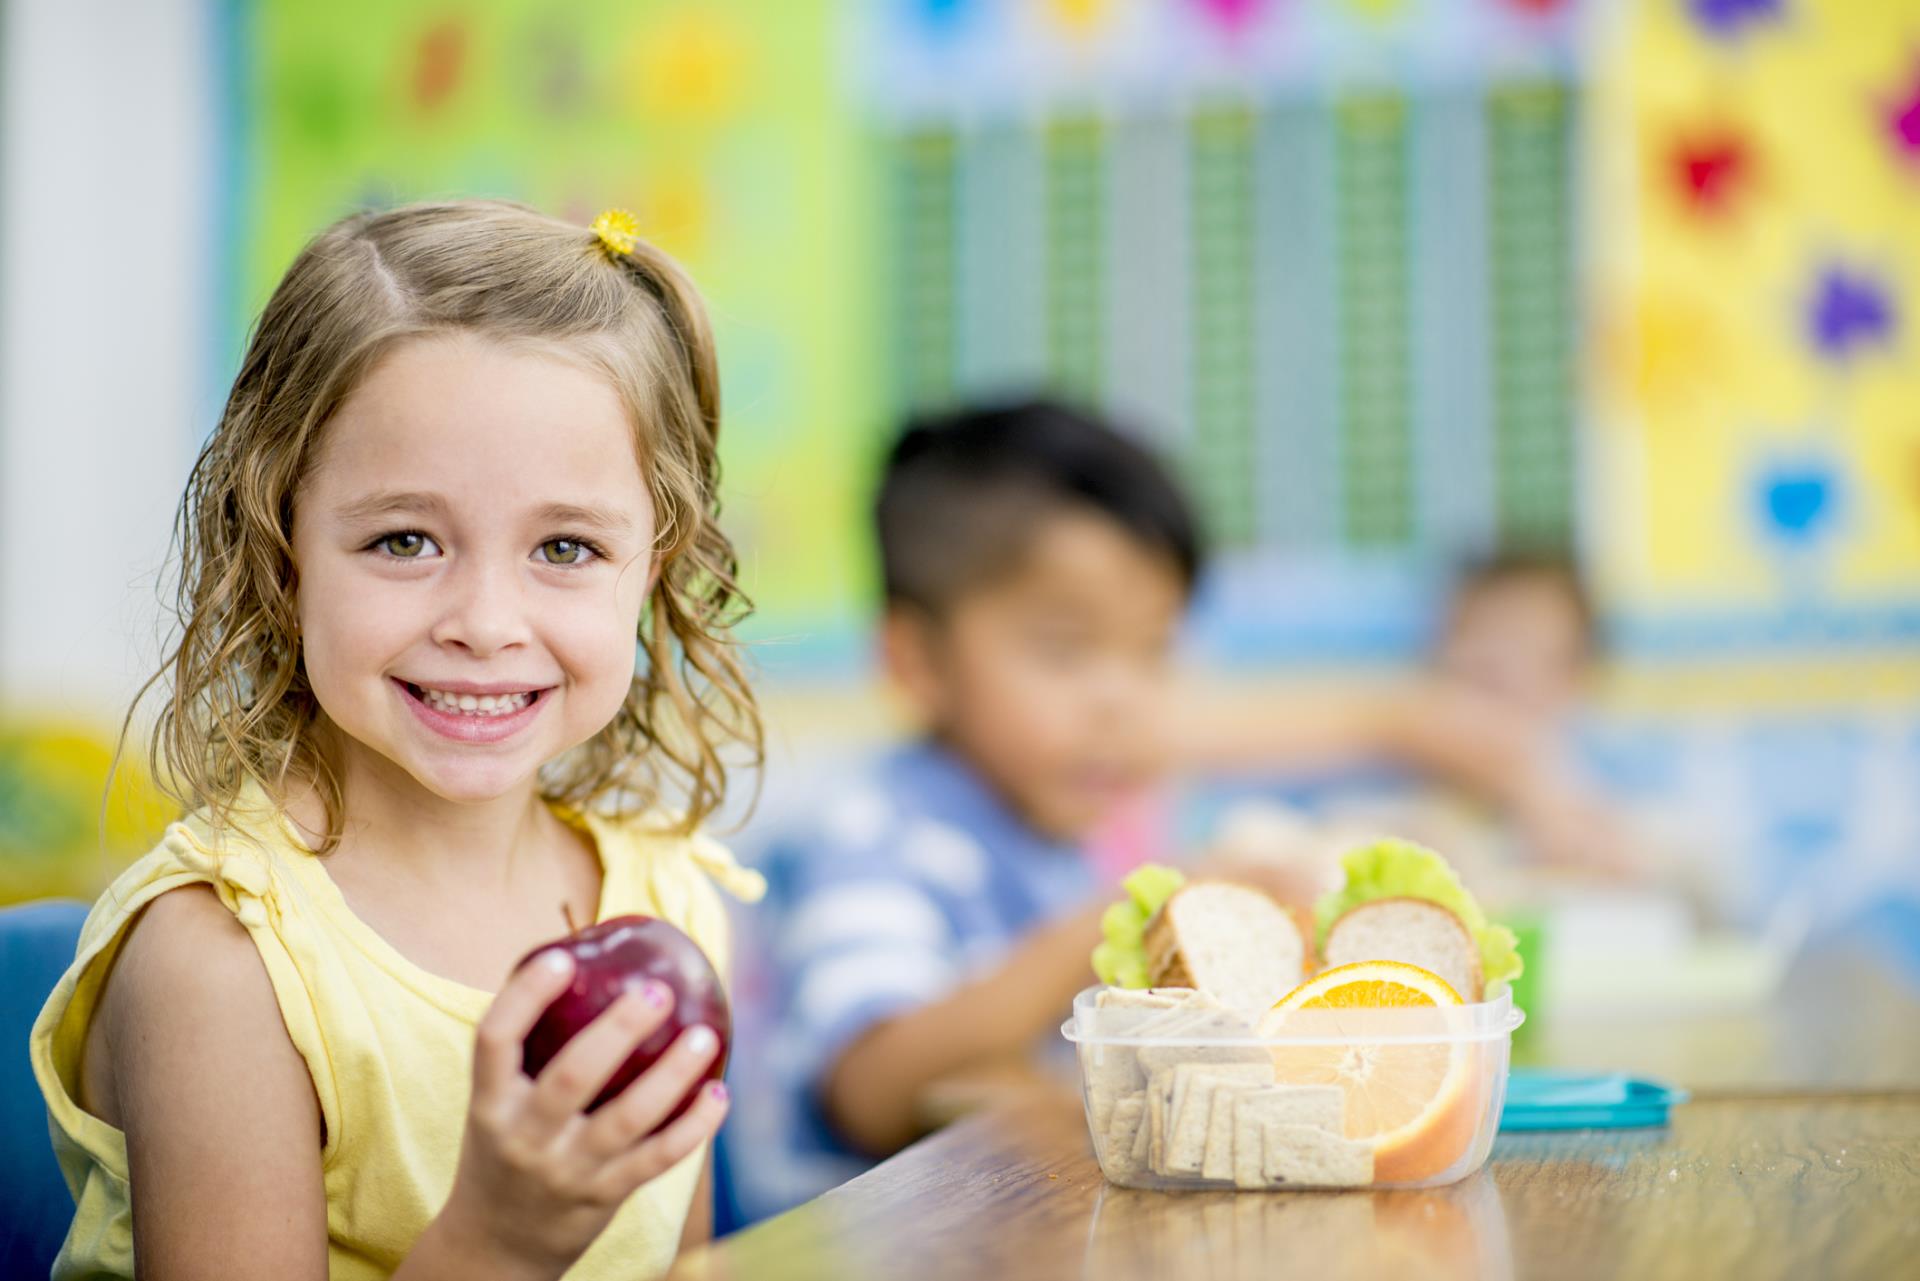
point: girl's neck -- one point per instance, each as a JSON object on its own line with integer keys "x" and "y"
{"x": 417, "y": 833}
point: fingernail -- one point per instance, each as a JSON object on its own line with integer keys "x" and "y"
{"x": 654, "y": 993}
{"x": 701, "y": 1041}
{"x": 717, "y": 1092}
{"x": 557, "y": 962}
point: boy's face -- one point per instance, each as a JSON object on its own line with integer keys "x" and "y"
{"x": 475, "y": 523}
{"x": 1521, "y": 639}
{"x": 1054, "y": 680}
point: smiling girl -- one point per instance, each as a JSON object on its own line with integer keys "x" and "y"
{"x": 452, "y": 654}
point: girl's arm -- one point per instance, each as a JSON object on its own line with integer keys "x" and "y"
{"x": 224, "y": 1131}
{"x": 223, "y": 1128}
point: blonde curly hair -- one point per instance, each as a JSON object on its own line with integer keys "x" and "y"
{"x": 239, "y": 706}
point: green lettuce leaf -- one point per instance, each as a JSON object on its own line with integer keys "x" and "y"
{"x": 1401, "y": 869}
{"x": 1121, "y": 958}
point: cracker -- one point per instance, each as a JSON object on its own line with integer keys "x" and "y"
{"x": 1129, "y": 1116}
{"x": 1190, "y": 1109}
{"x": 1308, "y": 1156}
{"x": 1249, "y": 1152}
{"x": 1323, "y": 1107}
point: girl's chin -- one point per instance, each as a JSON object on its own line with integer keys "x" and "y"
{"x": 467, "y": 788}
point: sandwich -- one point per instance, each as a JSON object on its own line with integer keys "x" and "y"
{"x": 1402, "y": 902}
{"x": 1230, "y": 941}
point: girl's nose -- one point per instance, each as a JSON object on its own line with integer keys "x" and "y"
{"x": 484, "y": 612}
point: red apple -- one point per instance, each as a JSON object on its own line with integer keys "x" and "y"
{"x": 608, "y": 959}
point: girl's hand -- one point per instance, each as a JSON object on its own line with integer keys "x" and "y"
{"x": 538, "y": 1178}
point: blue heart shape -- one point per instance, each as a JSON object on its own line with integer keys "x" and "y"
{"x": 1796, "y": 502}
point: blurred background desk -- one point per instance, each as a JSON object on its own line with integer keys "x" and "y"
{"x": 1839, "y": 1023}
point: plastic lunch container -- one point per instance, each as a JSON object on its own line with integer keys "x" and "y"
{"x": 1189, "y": 1096}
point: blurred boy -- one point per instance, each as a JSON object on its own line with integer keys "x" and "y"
{"x": 1036, "y": 566}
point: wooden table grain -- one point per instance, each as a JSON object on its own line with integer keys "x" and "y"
{"x": 1816, "y": 1187}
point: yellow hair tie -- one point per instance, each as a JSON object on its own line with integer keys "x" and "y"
{"x": 619, "y": 231}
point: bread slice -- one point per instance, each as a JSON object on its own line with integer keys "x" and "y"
{"x": 1231, "y": 941}
{"x": 1410, "y": 930}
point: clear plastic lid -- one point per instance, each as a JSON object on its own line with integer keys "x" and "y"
{"x": 1197, "y": 1025}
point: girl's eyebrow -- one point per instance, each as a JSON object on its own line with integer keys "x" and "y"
{"x": 601, "y": 518}
{"x": 387, "y": 502}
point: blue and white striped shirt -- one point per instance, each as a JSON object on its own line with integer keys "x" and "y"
{"x": 890, "y": 895}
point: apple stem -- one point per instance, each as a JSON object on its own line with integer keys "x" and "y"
{"x": 566, "y": 911}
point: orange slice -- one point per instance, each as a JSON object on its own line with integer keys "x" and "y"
{"x": 1411, "y": 1101}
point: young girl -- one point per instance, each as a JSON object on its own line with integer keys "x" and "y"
{"x": 468, "y": 462}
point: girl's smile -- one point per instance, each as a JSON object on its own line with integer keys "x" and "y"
{"x": 472, "y": 713}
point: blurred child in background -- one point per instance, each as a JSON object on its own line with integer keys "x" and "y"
{"x": 1521, "y": 809}
{"x": 1519, "y": 627}
{"x": 936, "y": 912}
{"x": 1521, "y": 630}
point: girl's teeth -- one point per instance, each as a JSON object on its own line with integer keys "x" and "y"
{"x": 475, "y": 705}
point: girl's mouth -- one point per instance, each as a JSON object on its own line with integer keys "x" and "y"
{"x": 473, "y": 718}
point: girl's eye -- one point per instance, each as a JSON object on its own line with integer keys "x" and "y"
{"x": 566, "y": 551}
{"x": 409, "y": 544}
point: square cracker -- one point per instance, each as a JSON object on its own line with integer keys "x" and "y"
{"x": 1249, "y": 1153}
{"x": 1159, "y": 1091}
{"x": 1199, "y": 1019}
{"x": 1217, "y": 1162}
{"x": 1190, "y": 1108}
{"x": 1307, "y": 1156}
{"x": 1321, "y": 1106}
{"x": 1129, "y": 1117}
{"x": 1255, "y": 1107}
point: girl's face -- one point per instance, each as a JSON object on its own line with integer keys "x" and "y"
{"x": 474, "y": 544}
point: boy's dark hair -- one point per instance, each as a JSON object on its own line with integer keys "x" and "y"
{"x": 1552, "y": 568}
{"x": 962, "y": 494}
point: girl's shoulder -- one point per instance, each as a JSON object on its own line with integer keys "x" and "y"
{"x": 652, "y": 865}
{"x": 657, "y": 846}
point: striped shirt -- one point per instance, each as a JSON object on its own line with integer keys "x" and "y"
{"x": 888, "y": 896}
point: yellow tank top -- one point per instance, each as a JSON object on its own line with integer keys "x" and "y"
{"x": 388, "y": 1045}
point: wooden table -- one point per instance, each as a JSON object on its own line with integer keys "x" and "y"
{"x": 1821, "y": 1188}
{"x": 1799, "y": 1157}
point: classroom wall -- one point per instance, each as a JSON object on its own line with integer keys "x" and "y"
{"x": 1567, "y": 306}
{"x": 106, "y": 250}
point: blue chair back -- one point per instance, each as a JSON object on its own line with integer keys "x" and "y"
{"x": 37, "y": 942}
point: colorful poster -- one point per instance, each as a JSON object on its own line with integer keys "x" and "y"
{"x": 1756, "y": 232}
